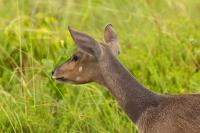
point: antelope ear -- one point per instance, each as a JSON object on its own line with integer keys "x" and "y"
{"x": 85, "y": 42}
{"x": 110, "y": 38}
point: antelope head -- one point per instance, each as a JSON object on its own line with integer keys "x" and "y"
{"x": 85, "y": 65}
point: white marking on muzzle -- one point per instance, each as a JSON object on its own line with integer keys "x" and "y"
{"x": 80, "y": 69}
{"x": 78, "y": 78}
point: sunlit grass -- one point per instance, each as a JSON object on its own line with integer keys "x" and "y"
{"x": 160, "y": 43}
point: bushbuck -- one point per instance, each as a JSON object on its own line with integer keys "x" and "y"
{"x": 151, "y": 112}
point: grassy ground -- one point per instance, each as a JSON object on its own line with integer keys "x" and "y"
{"x": 160, "y": 42}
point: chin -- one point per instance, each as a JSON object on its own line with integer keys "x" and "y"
{"x": 68, "y": 81}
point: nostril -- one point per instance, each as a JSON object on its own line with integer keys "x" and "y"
{"x": 52, "y": 72}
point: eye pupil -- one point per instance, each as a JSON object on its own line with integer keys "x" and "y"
{"x": 75, "y": 57}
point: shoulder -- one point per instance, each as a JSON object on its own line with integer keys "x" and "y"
{"x": 178, "y": 113}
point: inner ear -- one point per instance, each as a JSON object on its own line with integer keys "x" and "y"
{"x": 110, "y": 38}
{"x": 85, "y": 42}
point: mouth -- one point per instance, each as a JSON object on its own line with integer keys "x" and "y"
{"x": 63, "y": 80}
{"x": 58, "y": 78}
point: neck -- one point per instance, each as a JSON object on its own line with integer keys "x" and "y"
{"x": 132, "y": 96}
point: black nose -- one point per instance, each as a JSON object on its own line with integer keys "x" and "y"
{"x": 52, "y": 72}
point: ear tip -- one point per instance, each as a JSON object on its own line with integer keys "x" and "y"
{"x": 69, "y": 28}
{"x": 108, "y": 26}
{"x": 72, "y": 30}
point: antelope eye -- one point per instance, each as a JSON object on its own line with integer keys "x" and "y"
{"x": 74, "y": 57}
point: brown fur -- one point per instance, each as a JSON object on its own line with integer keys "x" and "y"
{"x": 151, "y": 112}
{"x": 175, "y": 114}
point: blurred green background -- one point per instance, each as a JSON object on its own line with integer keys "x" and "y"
{"x": 160, "y": 42}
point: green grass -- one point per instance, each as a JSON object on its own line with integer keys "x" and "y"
{"x": 160, "y": 42}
